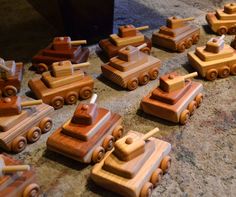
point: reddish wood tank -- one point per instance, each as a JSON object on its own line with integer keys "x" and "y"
{"x": 88, "y": 134}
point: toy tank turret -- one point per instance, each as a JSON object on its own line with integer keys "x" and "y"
{"x": 222, "y": 21}
{"x": 11, "y": 74}
{"x": 13, "y": 105}
{"x": 127, "y": 35}
{"x": 16, "y": 179}
{"x": 66, "y": 83}
{"x": 175, "y": 99}
{"x": 135, "y": 166}
{"x": 177, "y": 35}
{"x": 213, "y": 60}
{"x": 131, "y": 67}
{"x": 88, "y": 134}
{"x": 22, "y": 121}
{"x": 62, "y": 48}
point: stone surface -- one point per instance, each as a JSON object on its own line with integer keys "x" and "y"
{"x": 204, "y": 150}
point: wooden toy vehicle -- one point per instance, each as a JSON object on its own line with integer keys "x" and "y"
{"x": 131, "y": 67}
{"x": 128, "y": 35}
{"x": 135, "y": 166}
{"x": 233, "y": 44}
{"x": 223, "y": 21}
{"x": 175, "y": 99}
{"x": 66, "y": 82}
{"x": 16, "y": 179}
{"x": 62, "y": 48}
{"x": 177, "y": 35}
{"x": 213, "y": 60}
{"x": 88, "y": 134}
{"x": 11, "y": 74}
{"x": 21, "y": 122}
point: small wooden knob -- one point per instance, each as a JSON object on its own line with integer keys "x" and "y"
{"x": 214, "y": 40}
{"x": 85, "y": 107}
{"x": 171, "y": 76}
{"x": 7, "y": 100}
{"x": 61, "y": 38}
{"x": 129, "y": 140}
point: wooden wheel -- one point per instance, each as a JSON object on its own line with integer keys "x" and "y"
{"x": 118, "y": 132}
{"x": 45, "y": 125}
{"x": 34, "y": 134}
{"x": 189, "y": 43}
{"x": 18, "y": 144}
{"x": 199, "y": 99}
{"x": 156, "y": 177}
{"x": 86, "y": 92}
{"x": 146, "y": 190}
{"x": 222, "y": 30}
{"x": 224, "y": 72}
{"x": 192, "y": 107}
{"x": 153, "y": 74}
{"x": 232, "y": 30}
{"x": 42, "y": 68}
{"x": 71, "y": 98}
{"x": 181, "y": 47}
{"x": 165, "y": 164}
{"x": 211, "y": 74}
{"x": 132, "y": 84}
{"x": 31, "y": 190}
{"x": 10, "y": 90}
{"x": 233, "y": 69}
{"x": 57, "y": 102}
{"x": 98, "y": 154}
{"x": 144, "y": 78}
{"x": 108, "y": 142}
{"x": 184, "y": 116}
{"x": 196, "y": 38}
{"x": 146, "y": 50}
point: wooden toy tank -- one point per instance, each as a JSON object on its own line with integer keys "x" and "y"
{"x": 62, "y": 48}
{"x": 11, "y": 74}
{"x": 22, "y": 122}
{"x": 223, "y": 21}
{"x": 175, "y": 99}
{"x": 127, "y": 35}
{"x": 131, "y": 67}
{"x": 213, "y": 60}
{"x": 177, "y": 35}
{"x": 66, "y": 83}
{"x": 88, "y": 134}
{"x": 135, "y": 166}
{"x": 16, "y": 179}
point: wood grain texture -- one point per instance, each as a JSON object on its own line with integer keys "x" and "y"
{"x": 131, "y": 187}
{"x": 14, "y": 184}
{"x": 167, "y": 111}
{"x": 81, "y": 149}
{"x": 19, "y": 125}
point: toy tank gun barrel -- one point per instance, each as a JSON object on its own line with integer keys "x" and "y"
{"x": 142, "y": 28}
{"x": 15, "y": 168}
{"x": 150, "y": 133}
{"x": 78, "y": 42}
{"x": 30, "y": 103}
{"x": 142, "y": 46}
{"x": 81, "y": 65}
{"x": 93, "y": 99}
{"x": 191, "y": 75}
{"x": 185, "y": 19}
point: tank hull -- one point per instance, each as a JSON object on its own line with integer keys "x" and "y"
{"x": 14, "y": 80}
{"x": 82, "y": 150}
{"x": 15, "y": 184}
{"x": 167, "y": 111}
{"x": 122, "y": 78}
{"x": 181, "y": 37}
{"x": 41, "y": 91}
{"x": 12, "y": 128}
{"x": 131, "y": 187}
{"x": 203, "y": 67}
{"x": 111, "y": 50}
{"x": 48, "y": 56}
{"x": 216, "y": 24}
